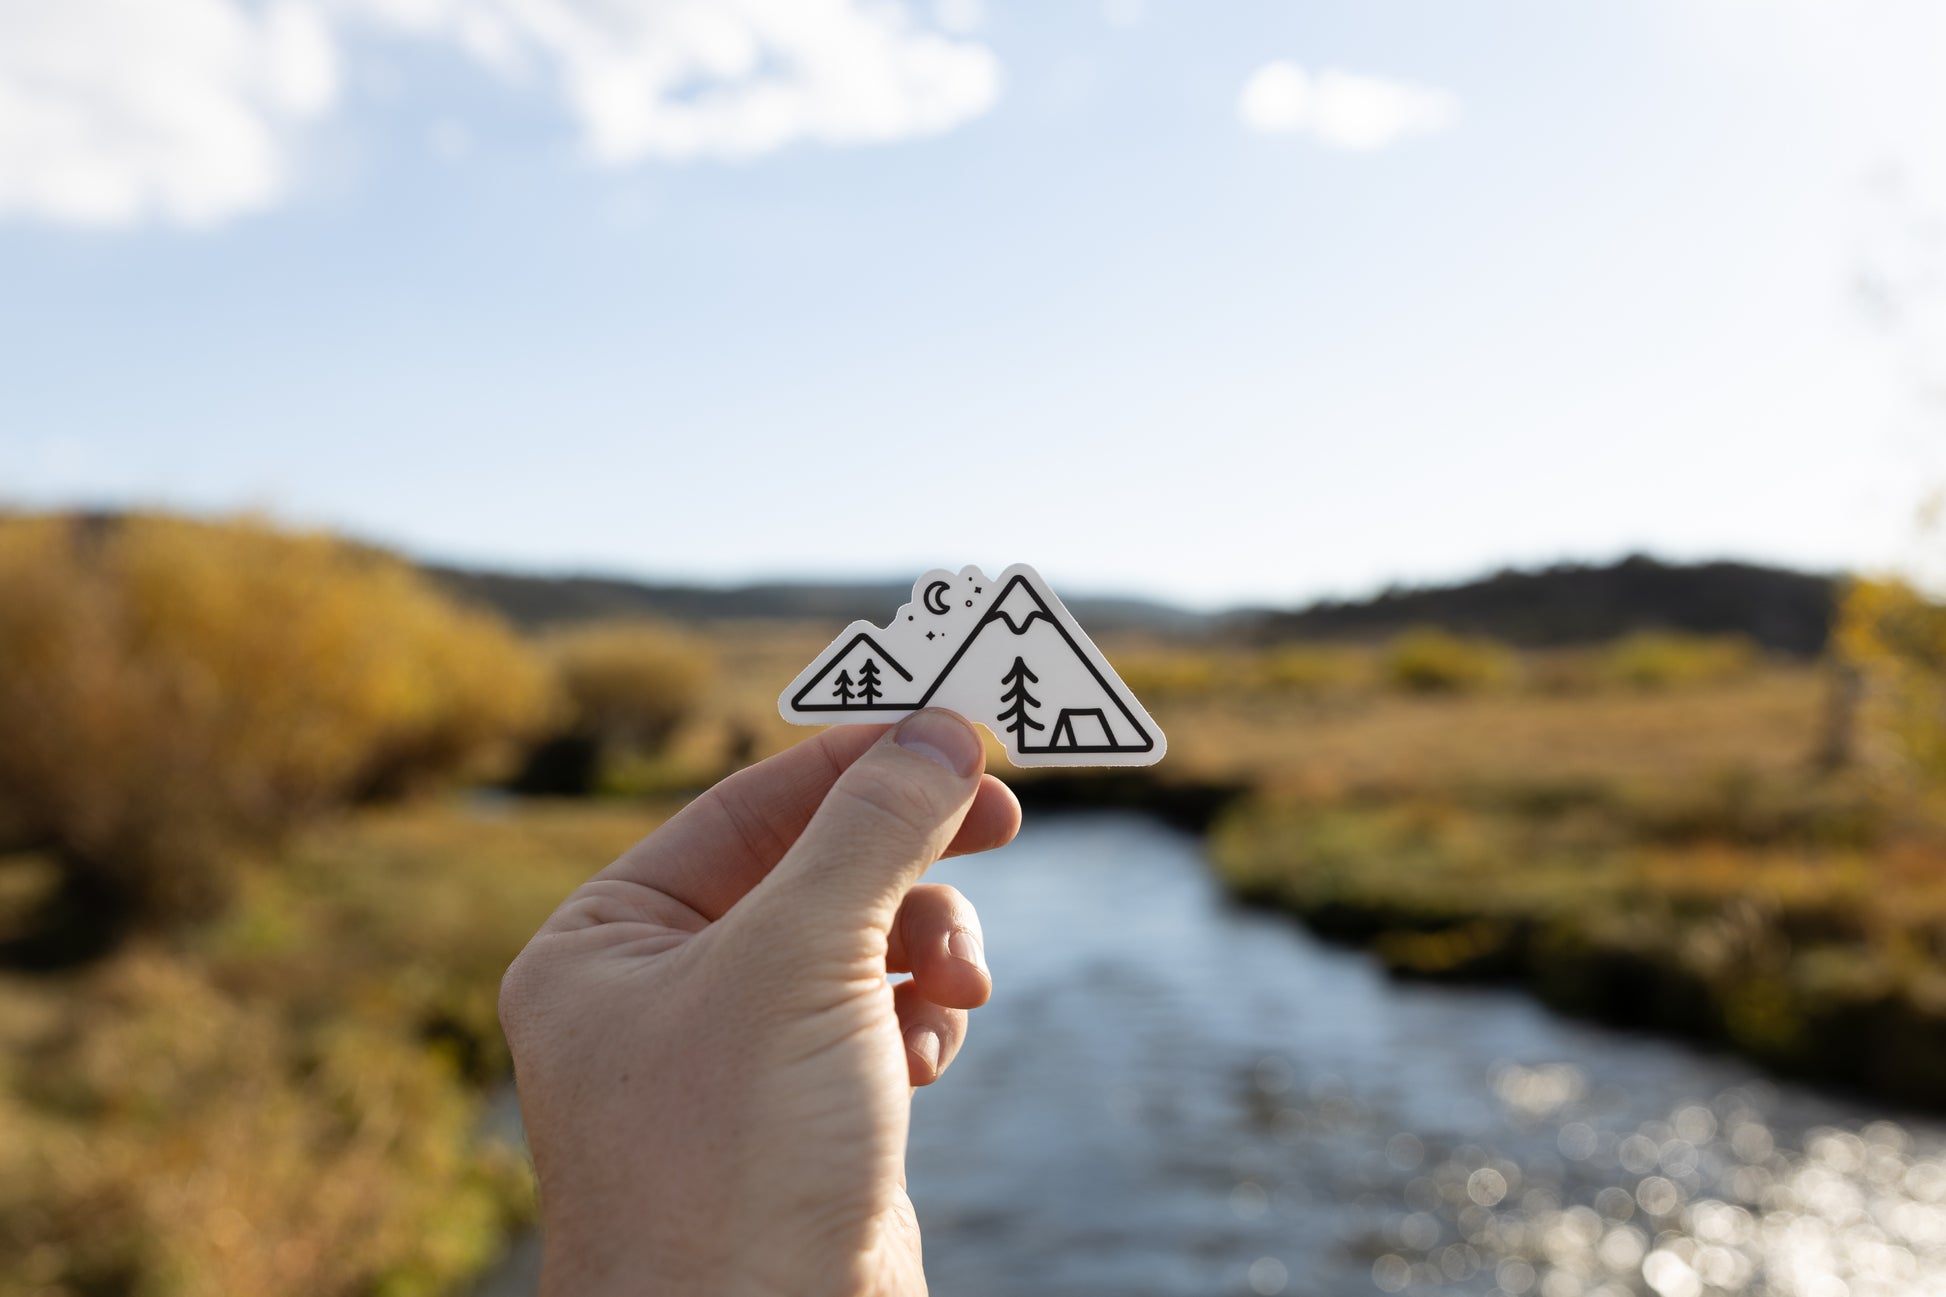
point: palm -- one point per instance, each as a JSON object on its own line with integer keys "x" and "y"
{"x": 714, "y": 1062}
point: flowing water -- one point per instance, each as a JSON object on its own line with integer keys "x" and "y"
{"x": 1171, "y": 1096}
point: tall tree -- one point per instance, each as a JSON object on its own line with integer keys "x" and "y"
{"x": 868, "y": 682}
{"x": 843, "y": 692}
{"x": 1018, "y": 721}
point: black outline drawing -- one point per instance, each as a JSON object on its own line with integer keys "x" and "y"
{"x": 994, "y": 613}
{"x": 1020, "y": 598}
{"x": 797, "y": 699}
{"x": 1064, "y": 724}
{"x": 1018, "y": 677}
{"x": 868, "y": 682}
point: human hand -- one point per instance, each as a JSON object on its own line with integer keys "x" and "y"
{"x": 715, "y": 1075}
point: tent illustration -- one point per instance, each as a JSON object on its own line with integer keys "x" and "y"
{"x": 1093, "y": 724}
{"x": 1007, "y": 654}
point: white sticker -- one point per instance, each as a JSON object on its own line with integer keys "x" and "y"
{"x": 1007, "y": 654}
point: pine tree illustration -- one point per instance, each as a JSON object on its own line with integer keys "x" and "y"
{"x": 1019, "y": 722}
{"x": 843, "y": 692}
{"x": 868, "y": 682}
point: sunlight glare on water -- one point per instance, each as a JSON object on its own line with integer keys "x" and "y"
{"x": 1173, "y": 1096}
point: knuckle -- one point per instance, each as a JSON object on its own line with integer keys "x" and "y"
{"x": 520, "y": 994}
{"x": 891, "y": 800}
{"x": 947, "y": 901}
{"x": 930, "y": 913}
{"x": 600, "y": 901}
{"x": 961, "y": 914}
{"x": 514, "y": 996}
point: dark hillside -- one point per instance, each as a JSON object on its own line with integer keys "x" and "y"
{"x": 1786, "y": 611}
{"x": 1577, "y": 604}
{"x": 532, "y": 601}
{"x": 547, "y": 600}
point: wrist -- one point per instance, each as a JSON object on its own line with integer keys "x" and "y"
{"x": 628, "y": 1260}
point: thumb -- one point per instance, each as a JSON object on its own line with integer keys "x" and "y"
{"x": 883, "y": 823}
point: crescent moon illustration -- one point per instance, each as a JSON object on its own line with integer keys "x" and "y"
{"x": 934, "y": 597}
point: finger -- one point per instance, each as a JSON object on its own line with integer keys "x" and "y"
{"x": 936, "y": 938}
{"x": 714, "y": 849}
{"x": 991, "y": 822}
{"x": 719, "y": 846}
{"x": 932, "y": 1033}
{"x": 886, "y": 819}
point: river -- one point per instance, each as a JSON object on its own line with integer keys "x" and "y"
{"x": 1171, "y": 1096}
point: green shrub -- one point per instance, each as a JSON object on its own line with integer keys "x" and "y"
{"x": 172, "y": 692}
{"x": 1430, "y": 660}
{"x": 627, "y": 688}
{"x": 1179, "y": 673}
{"x": 1314, "y": 669}
{"x": 631, "y": 684}
{"x": 1893, "y": 640}
{"x": 1665, "y": 660}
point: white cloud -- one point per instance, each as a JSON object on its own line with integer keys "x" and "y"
{"x": 1341, "y": 109}
{"x": 112, "y": 111}
{"x": 117, "y": 111}
{"x": 682, "y": 79}
{"x": 960, "y": 15}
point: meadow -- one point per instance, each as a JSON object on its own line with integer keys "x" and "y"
{"x": 1667, "y": 833}
{"x": 259, "y": 875}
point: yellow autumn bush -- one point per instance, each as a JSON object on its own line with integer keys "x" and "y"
{"x": 1431, "y": 660}
{"x": 1174, "y": 673}
{"x": 305, "y": 1097}
{"x": 1894, "y": 640}
{"x": 177, "y": 1138}
{"x": 1315, "y": 668}
{"x": 1670, "y": 660}
{"x": 630, "y": 684}
{"x": 173, "y": 690}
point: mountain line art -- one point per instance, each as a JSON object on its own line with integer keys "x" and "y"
{"x": 872, "y": 653}
{"x": 1004, "y": 653}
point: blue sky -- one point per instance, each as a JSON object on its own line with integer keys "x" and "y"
{"x": 1213, "y": 301}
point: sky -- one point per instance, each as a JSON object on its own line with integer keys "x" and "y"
{"x": 1211, "y": 301}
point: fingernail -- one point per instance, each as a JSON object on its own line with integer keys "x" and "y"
{"x": 942, "y": 738}
{"x": 924, "y": 1041}
{"x": 965, "y": 945}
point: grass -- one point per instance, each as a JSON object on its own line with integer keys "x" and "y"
{"x": 1323, "y": 717}
{"x": 290, "y": 1101}
{"x": 1765, "y": 721}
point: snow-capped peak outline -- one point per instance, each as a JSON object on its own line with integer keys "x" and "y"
{"x": 1005, "y": 653}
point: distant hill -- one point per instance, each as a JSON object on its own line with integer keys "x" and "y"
{"x": 537, "y": 601}
{"x": 1568, "y": 604}
{"x": 1578, "y": 604}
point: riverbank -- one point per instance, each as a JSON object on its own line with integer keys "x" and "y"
{"x": 1800, "y": 922}
{"x": 1669, "y": 859}
{"x": 1180, "y": 1097}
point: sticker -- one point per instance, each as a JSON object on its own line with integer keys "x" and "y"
{"x": 1005, "y": 653}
